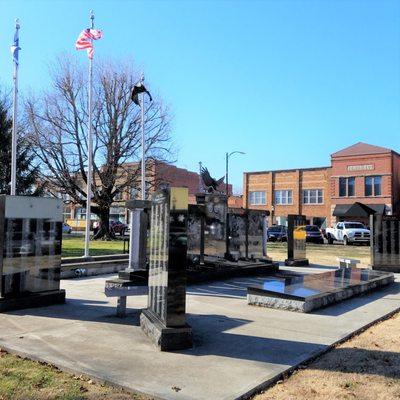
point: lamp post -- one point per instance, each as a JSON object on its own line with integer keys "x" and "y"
{"x": 227, "y": 233}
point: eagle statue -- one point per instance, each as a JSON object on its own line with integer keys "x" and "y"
{"x": 210, "y": 184}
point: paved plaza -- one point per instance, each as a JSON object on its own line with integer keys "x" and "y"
{"x": 238, "y": 348}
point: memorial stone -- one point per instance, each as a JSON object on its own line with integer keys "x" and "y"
{"x": 164, "y": 321}
{"x": 255, "y": 233}
{"x": 296, "y": 241}
{"x": 216, "y": 208}
{"x": 238, "y": 235}
{"x": 30, "y": 252}
{"x": 385, "y": 242}
{"x": 195, "y": 234}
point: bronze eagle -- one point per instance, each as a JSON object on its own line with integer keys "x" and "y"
{"x": 210, "y": 184}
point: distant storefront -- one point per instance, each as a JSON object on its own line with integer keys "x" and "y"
{"x": 362, "y": 179}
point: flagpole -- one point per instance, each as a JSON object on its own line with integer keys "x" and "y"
{"x": 143, "y": 143}
{"x": 14, "y": 136}
{"x": 89, "y": 150}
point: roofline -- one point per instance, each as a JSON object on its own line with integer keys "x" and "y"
{"x": 286, "y": 170}
{"x": 365, "y": 154}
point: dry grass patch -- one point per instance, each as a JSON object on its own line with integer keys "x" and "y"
{"x": 22, "y": 379}
{"x": 324, "y": 254}
{"x": 366, "y": 367}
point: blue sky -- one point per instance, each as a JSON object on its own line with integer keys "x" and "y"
{"x": 287, "y": 82}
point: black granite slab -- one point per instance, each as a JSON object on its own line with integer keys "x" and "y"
{"x": 168, "y": 252}
{"x": 305, "y": 292}
{"x": 385, "y": 242}
{"x": 296, "y": 241}
{"x": 30, "y": 249}
{"x": 216, "y": 208}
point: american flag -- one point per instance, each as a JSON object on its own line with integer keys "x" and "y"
{"x": 85, "y": 38}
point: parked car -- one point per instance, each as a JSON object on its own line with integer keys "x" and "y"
{"x": 348, "y": 233}
{"x": 118, "y": 227}
{"x": 66, "y": 228}
{"x": 313, "y": 234}
{"x": 277, "y": 233}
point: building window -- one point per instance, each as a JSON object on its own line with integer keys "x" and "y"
{"x": 313, "y": 196}
{"x": 257, "y": 198}
{"x": 67, "y": 213}
{"x": 347, "y": 187}
{"x": 81, "y": 213}
{"x": 283, "y": 197}
{"x": 373, "y": 185}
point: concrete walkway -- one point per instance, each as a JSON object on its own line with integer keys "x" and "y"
{"x": 238, "y": 348}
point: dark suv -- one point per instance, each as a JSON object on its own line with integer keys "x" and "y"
{"x": 277, "y": 233}
{"x": 314, "y": 234}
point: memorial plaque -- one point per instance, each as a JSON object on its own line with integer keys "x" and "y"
{"x": 195, "y": 234}
{"x": 238, "y": 233}
{"x": 216, "y": 208}
{"x": 296, "y": 242}
{"x": 30, "y": 249}
{"x": 165, "y": 320}
{"x": 255, "y": 233}
{"x": 385, "y": 242}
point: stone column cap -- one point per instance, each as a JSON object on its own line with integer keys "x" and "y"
{"x": 134, "y": 204}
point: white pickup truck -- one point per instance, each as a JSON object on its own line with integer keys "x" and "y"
{"x": 348, "y": 233}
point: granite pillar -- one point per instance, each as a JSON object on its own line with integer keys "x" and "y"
{"x": 296, "y": 241}
{"x": 164, "y": 321}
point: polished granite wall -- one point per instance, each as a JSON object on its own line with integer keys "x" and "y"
{"x": 296, "y": 239}
{"x": 30, "y": 245}
{"x": 168, "y": 252}
{"x": 385, "y": 242}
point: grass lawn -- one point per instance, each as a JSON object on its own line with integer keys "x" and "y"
{"x": 318, "y": 254}
{"x": 324, "y": 254}
{"x": 22, "y": 379}
{"x": 72, "y": 246}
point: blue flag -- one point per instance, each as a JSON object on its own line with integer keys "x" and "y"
{"x": 15, "y": 47}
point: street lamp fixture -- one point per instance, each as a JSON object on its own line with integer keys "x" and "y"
{"x": 227, "y": 233}
{"x": 227, "y": 157}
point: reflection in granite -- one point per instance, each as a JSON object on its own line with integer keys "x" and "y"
{"x": 30, "y": 245}
{"x": 304, "y": 286}
{"x": 296, "y": 242}
{"x": 195, "y": 233}
{"x": 216, "y": 208}
{"x": 255, "y": 233}
{"x": 168, "y": 252}
{"x": 385, "y": 238}
{"x": 238, "y": 232}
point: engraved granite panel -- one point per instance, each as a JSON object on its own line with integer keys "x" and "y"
{"x": 385, "y": 242}
{"x": 296, "y": 237}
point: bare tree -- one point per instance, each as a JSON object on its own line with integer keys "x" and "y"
{"x": 58, "y": 123}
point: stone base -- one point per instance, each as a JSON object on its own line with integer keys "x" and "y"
{"x": 297, "y": 262}
{"x": 32, "y": 300}
{"x": 166, "y": 339}
{"x": 260, "y": 297}
{"x": 387, "y": 268}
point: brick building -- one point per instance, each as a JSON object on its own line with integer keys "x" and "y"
{"x": 158, "y": 175}
{"x": 361, "y": 178}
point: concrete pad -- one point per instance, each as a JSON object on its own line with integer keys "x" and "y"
{"x": 238, "y": 348}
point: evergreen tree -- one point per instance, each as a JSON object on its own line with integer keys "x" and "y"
{"x": 27, "y": 171}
